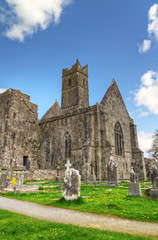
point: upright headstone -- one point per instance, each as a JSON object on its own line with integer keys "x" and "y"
{"x": 134, "y": 187}
{"x": 19, "y": 182}
{"x": 154, "y": 173}
{"x": 58, "y": 176}
{"x": 71, "y": 183}
{"x": 7, "y": 182}
{"x": 155, "y": 184}
{"x": 112, "y": 172}
{"x": 92, "y": 175}
{"x": 154, "y": 190}
{"x": 4, "y": 182}
{"x": 133, "y": 176}
{"x": 12, "y": 165}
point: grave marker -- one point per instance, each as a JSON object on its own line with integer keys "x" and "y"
{"x": 71, "y": 183}
{"x": 112, "y": 172}
{"x": 134, "y": 187}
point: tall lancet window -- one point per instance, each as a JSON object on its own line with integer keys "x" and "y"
{"x": 119, "y": 144}
{"x": 67, "y": 140}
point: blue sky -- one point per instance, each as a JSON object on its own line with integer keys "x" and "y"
{"x": 116, "y": 38}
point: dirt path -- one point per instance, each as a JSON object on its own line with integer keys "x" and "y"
{"x": 79, "y": 218}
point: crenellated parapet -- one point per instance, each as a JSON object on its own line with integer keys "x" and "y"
{"x": 76, "y": 67}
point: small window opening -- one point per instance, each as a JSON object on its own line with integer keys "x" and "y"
{"x": 70, "y": 82}
{"x": 25, "y": 158}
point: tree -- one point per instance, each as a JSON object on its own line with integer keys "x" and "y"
{"x": 154, "y": 147}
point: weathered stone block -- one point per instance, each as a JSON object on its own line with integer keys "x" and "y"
{"x": 153, "y": 194}
{"x": 4, "y": 182}
{"x": 154, "y": 190}
{"x": 71, "y": 184}
{"x": 134, "y": 189}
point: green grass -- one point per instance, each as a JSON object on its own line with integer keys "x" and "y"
{"x": 142, "y": 184}
{"x": 106, "y": 200}
{"x": 18, "y": 227}
{"x": 123, "y": 184}
{"x": 42, "y": 183}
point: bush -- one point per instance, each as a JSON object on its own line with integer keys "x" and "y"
{"x": 147, "y": 192}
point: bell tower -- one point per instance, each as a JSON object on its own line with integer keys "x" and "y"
{"x": 75, "y": 87}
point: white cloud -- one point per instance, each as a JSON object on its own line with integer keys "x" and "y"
{"x": 152, "y": 29}
{"x": 153, "y": 21}
{"x": 142, "y": 113}
{"x": 2, "y": 90}
{"x": 128, "y": 99}
{"x": 145, "y": 46}
{"x": 25, "y": 17}
{"x": 145, "y": 141}
{"x": 147, "y": 94}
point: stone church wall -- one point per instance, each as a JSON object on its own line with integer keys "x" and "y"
{"x": 78, "y": 125}
{"x": 92, "y": 141}
{"x": 117, "y": 112}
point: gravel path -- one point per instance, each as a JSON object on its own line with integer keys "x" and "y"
{"x": 79, "y": 218}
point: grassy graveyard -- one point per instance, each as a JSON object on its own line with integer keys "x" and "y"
{"x": 100, "y": 200}
{"x": 26, "y": 228}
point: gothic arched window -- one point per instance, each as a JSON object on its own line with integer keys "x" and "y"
{"x": 119, "y": 144}
{"x": 67, "y": 140}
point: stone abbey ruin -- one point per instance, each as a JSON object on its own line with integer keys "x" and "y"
{"x": 87, "y": 135}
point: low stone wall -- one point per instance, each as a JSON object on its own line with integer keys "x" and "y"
{"x": 37, "y": 175}
{"x": 41, "y": 174}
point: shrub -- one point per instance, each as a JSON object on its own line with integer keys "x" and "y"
{"x": 40, "y": 188}
{"x": 147, "y": 192}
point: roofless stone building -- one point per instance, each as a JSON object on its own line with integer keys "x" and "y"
{"x": 87, "y": 135}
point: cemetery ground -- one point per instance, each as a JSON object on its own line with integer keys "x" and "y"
{"x": 17, "y": 227}
{"x": 98, "y": 199}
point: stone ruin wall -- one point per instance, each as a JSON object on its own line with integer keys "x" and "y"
{"x": 42, "y": 174}
{"x": 36, "y": 175}
{"x": 18, "y": 124}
